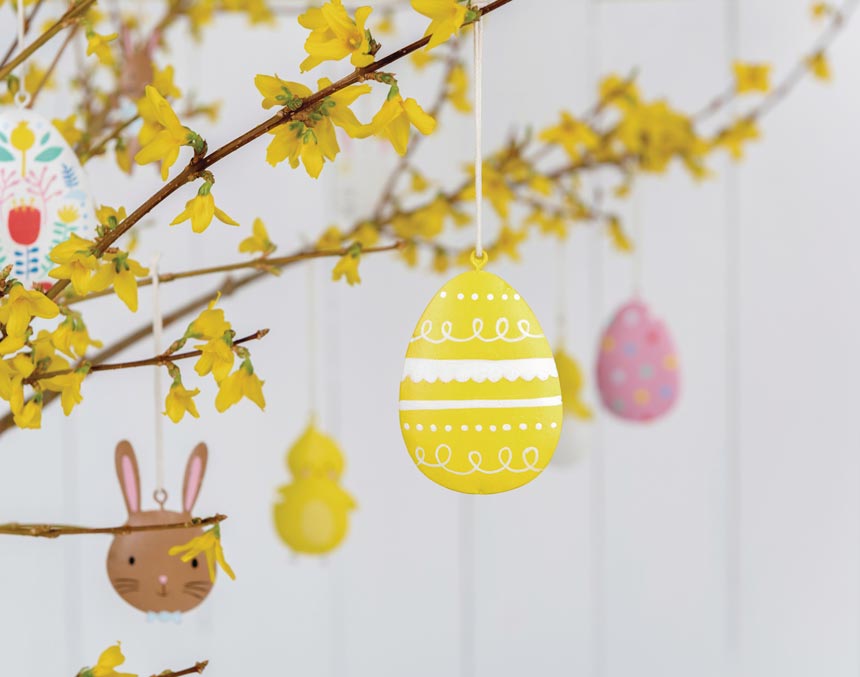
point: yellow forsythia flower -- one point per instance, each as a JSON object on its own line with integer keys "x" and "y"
{"x": 393, "y": 122}
{"x": 259, "y": 240}
{"x": 619, "y": 92}
{"x": 820, "y": 10}
{"x": 574, "y": 136}
{"x": 311, "y": 140}
{"x": 347, "y": 266}
{"x": 201, "y": 209}
{"x": 508, "y": 242}
{"x": 216, "y": 357}
{"x": 13, "y": 371}
{"x": 110, "y": 659}
{"x": 241, "y": 383}
{"x": 734, "y": 138}
{"x": 67, "y": 128}
{"x": 110, "y": 217}
{"x": 72, "y": 338}
{"x": 571, "y": 381}
{"x": 421, "y": 59}
{"x": 17, "y": 309}
{"x": 335, "y": 35}
{"x": 385, "y": 25}
{"x": 819, "y": 66}
{"x": 76, "y": 262}
{"x": 122, "y": 272}
{"x": 618, "y": 236}
{"x": 180, "y": 401}
{"x": 751, "y": 77}
{"x": 330, "y": 239}
{"x": 446, "y": 17}
{"x": 162, "y": 80}
{"x": 30, "y": 416}
{"x": 98, "y": 45}
{"x": 209, "y": 544}
{"x": 458, "y": 89}
{"x": 210, "y": 323}
{"x": 162, "y": 134}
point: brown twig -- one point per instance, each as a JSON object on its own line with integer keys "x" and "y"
{"x": 158, "y": 360}
{"x": 71, "y": 16}
{"x": 264, "y": 264}
{"x": 56, "y": 60}
{"x": 197, "y": 668}
{"x": 27, "y": 23}
{"x": 97, "y": 148}
{"x": 57, "y": 530}
{"x": 199, "y": 164}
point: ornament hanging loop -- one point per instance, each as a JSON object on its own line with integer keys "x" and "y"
{"x": 479, "y": 260}
{"x": 22, "y": 98}
{"x": 160, "y": 497}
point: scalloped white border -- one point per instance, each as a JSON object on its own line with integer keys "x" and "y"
{"x": 445, "y": 371}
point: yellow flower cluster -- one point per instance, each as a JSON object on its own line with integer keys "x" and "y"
{"x": 34, "y": 361}
{"x": 217, "y": 357}
{"x": 209, "y": 545}
{"x": 109, "y": 660}
{"x": 78, "y": 263}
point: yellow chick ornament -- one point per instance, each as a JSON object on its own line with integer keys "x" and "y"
{"x": 480, "y": 401}
{"x": 312, "y": 515}
{"x": 576, "y": 437}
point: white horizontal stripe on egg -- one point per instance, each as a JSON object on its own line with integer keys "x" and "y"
{"x": 422, "y": 405}
{"x": 526, "y": 369}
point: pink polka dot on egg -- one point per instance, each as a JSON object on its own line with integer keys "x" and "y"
{"x": 637, "y": 368}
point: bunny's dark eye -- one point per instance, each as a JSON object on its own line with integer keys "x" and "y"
{"x": 194, "y": 562}
{"x": 131, "y": 560}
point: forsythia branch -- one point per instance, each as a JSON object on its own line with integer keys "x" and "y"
{"x": 262, "y": 263}
{"x": 197, "y": 668}
{"x": 57, "y": 530}
{"x": 200, "y": 163}
{"x": 158, "y": 360}
{"x": 71, "y": 15}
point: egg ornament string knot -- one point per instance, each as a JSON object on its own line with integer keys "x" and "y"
{"x": 480, "y": 403}
{"x": 44, "y": 194}
{"x": 311, "y": 514}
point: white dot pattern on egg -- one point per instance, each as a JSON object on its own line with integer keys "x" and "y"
{"x": 480, "y": 403}
{"x": 44, "y": 195}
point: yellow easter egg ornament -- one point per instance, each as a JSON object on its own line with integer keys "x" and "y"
{"x": 480, "y": 403}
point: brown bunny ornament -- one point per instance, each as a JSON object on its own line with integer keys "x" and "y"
{"x": 138, "y": 565}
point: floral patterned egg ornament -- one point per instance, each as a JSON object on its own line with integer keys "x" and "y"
{"x": 480, "y": 403}
{"x": 43, "y": 194}
{"x": 637, "y": 367}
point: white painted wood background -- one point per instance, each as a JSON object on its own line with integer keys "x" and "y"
{"x": 724, "y": 540}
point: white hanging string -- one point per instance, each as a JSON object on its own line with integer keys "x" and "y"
{"x": 22, "y": 97}
{"x": 157, "y": 342}
{"x": 313, "y": 351}
{"x": 479, "y": 154}
{"x": 561, "y": 296}
{"x": 638, "y": 244}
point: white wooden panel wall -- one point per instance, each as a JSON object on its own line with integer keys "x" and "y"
{"x": 623, "y": 564}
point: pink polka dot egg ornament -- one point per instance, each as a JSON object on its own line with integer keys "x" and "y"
{"x": 637, "y": 367}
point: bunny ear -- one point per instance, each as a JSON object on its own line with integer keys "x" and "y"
{"x": 194, "y": 472}
{"x": 129, "y": 477}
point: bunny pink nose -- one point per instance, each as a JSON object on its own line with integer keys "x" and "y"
{"x": 162, "y": 579}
